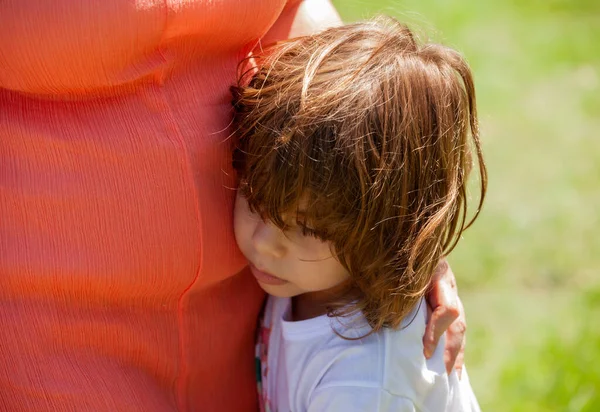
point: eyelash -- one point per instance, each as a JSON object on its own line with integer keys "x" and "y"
{"x": 306, "y": 231}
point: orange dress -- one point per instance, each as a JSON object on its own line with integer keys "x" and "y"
{"x": 121, "y": 287}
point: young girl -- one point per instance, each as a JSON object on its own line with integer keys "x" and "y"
{"x": 354, "y": 149}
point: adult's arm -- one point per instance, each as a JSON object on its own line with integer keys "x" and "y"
{"x": 302, "y": 17}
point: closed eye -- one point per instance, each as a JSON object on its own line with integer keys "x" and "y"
{"x": 308, "y": 231}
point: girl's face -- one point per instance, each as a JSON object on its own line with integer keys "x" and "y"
{"x": 289, "y": 263}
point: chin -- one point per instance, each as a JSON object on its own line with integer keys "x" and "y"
{"x": 282, "y": 291}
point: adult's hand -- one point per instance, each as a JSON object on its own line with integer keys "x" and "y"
{"x": 447, "y": 315}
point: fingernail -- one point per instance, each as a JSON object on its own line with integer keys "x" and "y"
{"x": 428, "y": 351}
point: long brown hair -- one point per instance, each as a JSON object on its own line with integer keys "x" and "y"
{"x": 376, "y": 135}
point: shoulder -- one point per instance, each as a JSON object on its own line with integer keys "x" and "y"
{"x": 358, "y": 377}
{"x": 389, "y": 364}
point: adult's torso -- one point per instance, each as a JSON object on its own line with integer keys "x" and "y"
{"x": 121, "y": 288}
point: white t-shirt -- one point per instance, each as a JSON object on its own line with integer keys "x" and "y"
{"x": 305, "y": 366}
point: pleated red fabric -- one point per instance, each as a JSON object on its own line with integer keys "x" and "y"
{"x": 121, "y": 287}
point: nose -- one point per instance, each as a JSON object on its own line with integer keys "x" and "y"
{"x": 267, "y": 239}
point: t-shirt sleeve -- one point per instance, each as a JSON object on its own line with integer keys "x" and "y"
{"x": 357, "y": 399}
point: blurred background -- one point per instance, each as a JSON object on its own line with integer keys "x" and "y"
{"x": 529, "y": 269}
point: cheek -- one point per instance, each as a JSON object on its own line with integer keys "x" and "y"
{"x": 243, "y": 225}
{"x": 318, "y": 259}
{"x": 338, "y": 272}
{"x": 321, "y": 275}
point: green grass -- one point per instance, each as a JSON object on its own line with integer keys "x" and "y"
{"x": 528, "y": 270}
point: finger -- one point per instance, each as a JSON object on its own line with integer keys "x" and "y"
{"x": 460, "y": 361}
{"x": 443, "y": 299}
{"x": 455, "y": 340}
{"x": 441, "y": 319}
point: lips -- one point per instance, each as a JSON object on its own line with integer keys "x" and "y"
{"x": 266, "y": 278}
